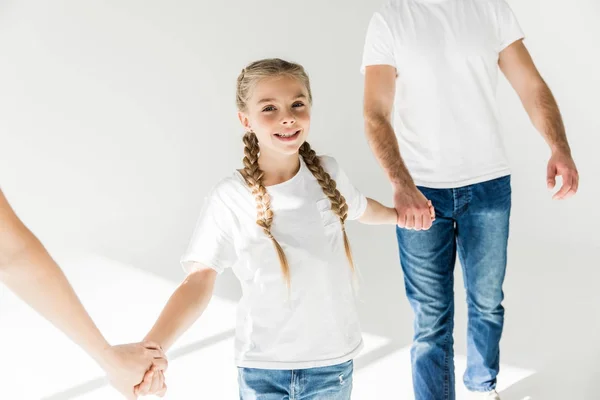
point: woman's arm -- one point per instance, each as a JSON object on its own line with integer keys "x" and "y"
{"x": 29, "y": 271}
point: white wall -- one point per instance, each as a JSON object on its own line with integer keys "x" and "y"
{"x": 116, "y": 117}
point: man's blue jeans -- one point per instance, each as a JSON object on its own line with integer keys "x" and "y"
{"x": 473, "y": 221}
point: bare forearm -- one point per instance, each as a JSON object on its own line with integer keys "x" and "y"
{"x": 33, "y": 276}
{"x": 183, "y": 308}
{"x": 384, "y": 144}
{"x": 378, "y": 214}
{"x": 546, "y": 117}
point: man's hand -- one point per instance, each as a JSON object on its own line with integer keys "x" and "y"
{"x": 126, "y": 365}
{"x": 414, "y": 210}
{"x": 561, "y": 163}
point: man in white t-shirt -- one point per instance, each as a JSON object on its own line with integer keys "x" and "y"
{"x": 433, "y": 66}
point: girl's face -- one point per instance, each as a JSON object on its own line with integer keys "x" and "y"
{"x": 278, "y": 112}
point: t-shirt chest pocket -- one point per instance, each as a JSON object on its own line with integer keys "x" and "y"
{"x": 329, "y": 218}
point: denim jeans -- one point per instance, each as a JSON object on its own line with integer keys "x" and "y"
{"x": 322, "y": 383}
{"x": 472, "y": 221}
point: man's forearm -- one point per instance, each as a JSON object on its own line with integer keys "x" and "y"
{"x": 546, "y": 118}
{"x": 384, "y": 144}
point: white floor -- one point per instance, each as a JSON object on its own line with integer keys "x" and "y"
{"x": 38, "y": 362}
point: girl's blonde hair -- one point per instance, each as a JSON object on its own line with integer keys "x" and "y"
{"x": 247, "y": 80}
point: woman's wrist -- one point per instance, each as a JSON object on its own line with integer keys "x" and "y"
{"x": 104, "y": 356}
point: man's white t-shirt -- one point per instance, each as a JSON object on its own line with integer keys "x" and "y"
{"x": 446, "y": 56}
{"x": 316, "y": 323}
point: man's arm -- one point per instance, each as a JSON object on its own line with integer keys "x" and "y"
{"x": 518, "y": 67}
{"x": 29, "y": 271}
{"x": 413, "y": 209}
{"x": 380, "y": 88}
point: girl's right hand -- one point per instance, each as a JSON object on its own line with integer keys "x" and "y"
{"x": 126, "y": 364}
{"x": 152, "y": 384}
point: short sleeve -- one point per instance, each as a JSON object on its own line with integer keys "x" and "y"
{"x": 379, "y": 44}
{"x": 509, "y": 30}
{"x": 357, "y": 202}
{"x": 211, "y": 243}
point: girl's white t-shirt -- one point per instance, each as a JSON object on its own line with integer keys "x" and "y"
{"x": 315, "y": 323}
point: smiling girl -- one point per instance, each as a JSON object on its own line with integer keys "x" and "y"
{"x": 280, "y": 224}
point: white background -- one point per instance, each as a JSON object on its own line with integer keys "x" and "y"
{"x": 116, "y": 117}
